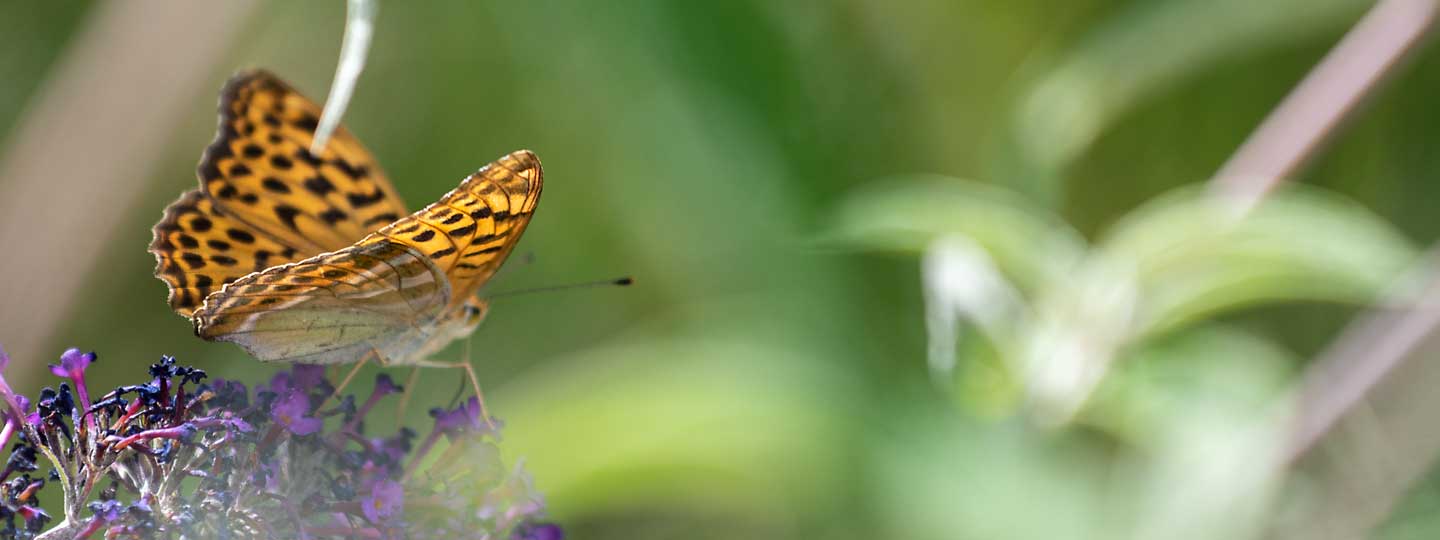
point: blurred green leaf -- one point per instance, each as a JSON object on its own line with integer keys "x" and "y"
{"x": 699, "y": 426}
{"x": 1210, "y": 369}
{"x": 907, "y": 213}
{"x": 1146, "y": 49}
{"x": 780, "y": 393}
{"x": 1179, "y": 259}
{"x": 1195, "y": 258}
{"x": 1206, "y": 409}
{"x": 941, "y": 477}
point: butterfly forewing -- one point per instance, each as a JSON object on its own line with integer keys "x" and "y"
{"x": 472, "y": 229}
{"x": 260, "y": 170}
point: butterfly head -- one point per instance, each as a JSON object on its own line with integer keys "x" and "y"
{"x": 467, "y": 318}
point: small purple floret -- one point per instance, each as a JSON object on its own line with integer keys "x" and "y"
{"x": 384, "y": 385}
{"x": 465, "y": 418}
{"x": 292, "y": 411}
{"x": 72, "y": 366}
{"x": 217, "y": 453}
{"x": 386, "y": 499}
{"x": 307, "y": 376}
{"x": 542, "y": 531}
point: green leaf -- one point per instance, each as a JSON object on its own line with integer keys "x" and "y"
{"x": 1212, "y": 370}
{"x": 905, "y": 214}
{"x": 1195, "y": 258}
{"x": 688, "y": 425}
{"x": 1207, "y": 412}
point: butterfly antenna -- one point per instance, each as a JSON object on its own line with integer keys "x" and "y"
{"x": 622, "y": 282}
{"x": 460, "y": 392}
{"x": 519, "y": 261}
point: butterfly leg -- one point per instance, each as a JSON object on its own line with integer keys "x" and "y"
{"x": 351, "y": 376}
{"x": 474, "y": 383}
{"x": 405, "y": 396}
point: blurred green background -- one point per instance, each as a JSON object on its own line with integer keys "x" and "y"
{"x": 748, "y": 161}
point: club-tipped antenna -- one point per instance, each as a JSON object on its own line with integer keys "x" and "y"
{"x": 621, "y": 282}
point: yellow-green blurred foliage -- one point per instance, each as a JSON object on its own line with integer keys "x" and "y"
{"x": 751, "y": 164}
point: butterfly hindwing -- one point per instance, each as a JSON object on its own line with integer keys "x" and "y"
{"x": 377, "y": 295}
{"x": 260, "y": 169}
{"x": 198, "y": 250}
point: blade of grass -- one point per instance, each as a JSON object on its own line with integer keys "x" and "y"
{"x": 354, "y": 48}
{"x": 1331, "y": 91}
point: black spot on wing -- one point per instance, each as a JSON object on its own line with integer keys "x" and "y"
{"x": 308, "y": 123}
{"x": 355, "y": 172}
{"x": 361, "y": 200}
{"x": 463, "y": 231}
{"x": 334, "y": 215}
{"x": 319, "y": 185}
{"x": 304, "y": 154}
{"x": 484, "y": 251}
{"x": 274, "y": 185}
{"x": 240, "y": 236}
{"x": 387, "y": 217}
{"x": 287, "y": 215}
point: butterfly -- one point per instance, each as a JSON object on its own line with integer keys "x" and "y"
{"x": 312, "y": 258}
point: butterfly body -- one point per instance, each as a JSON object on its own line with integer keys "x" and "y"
{"x": 305, "y": 258}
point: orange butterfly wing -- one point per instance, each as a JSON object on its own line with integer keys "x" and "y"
{"x": 279, "y": 250}
{"x": 470, "y": 231}
{"x": 264, "y": 199}
{"x": 399, "y": 292}
{"x": 336, "y": 307}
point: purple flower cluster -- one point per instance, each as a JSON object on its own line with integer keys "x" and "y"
{"x": 175, "y": 457}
